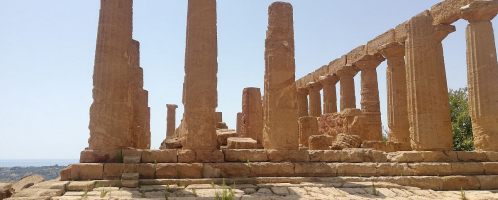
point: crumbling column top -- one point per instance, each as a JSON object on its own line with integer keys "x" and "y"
{"x": 392, "y": 50}
{"x": 480, "y": 10}
{"x": 369, "y": 61}
{"x": 347, "y": 71}
{"x": 443, "y": 30}
{"x": 328, "y": 80}
{"x": 313, "y": 86}
{"x": 172, "y": 106}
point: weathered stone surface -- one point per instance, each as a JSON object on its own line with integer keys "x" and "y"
{"x": 113, "y": 171}
{"x": 308, "y": 126}
{"x": 346, "y": 81}
{"x": 228, "y": 170}
{"x": 447, "y": 12}
{"x": 166, "y": 170}
{"x": 6, "y": 190}
{"x": 357, "y": 169}
{"x": 329, "y": 93}
{"x": 428, "y": 108}
{"x": 349, "y": 121}
{"x": 87, "y": 171}
{"x": 280, "y": 96}
{"x": 460, "y": 183}
{"x": 223, "y": 134}
{"x": 199, "y": 88}
{"x": 314, "y": 169}
{"x": 385, "y": 146}
{"x": 271, "y": 169}
{"x": 186, "y": 156}
{"x": 374, "y": 46}
{"x": 239, "y": 122}
{"x": 111, "y": 114}
{"x": 146, "y": 170}
{"x": 209, "y": 156}
{"x": 38, "y": 193}
{"x": 396, "y": 95}
{"x": 245, "y": 155}
{"x": 482, "y": 71}
{"x": 241, "y": 143}
{"x": 343, "y": 141}
{"x": 320, "y": 142}
{"x": 252, "y": 115}
{"x": 430, "y": 169}
{"x": 288, "y": 155}
{"x": 189, "y": 170}
{"x": 325, "y": 155}
{"x": 315, "y": 99}
{"x": 81, "y": 186}
{"x": 467, "y": 168}
{"x": 302, "y": 102}
{"x": 171, "y": 143}
{"x": 26, "y": 182}
{"x": 100, "y": 156}
{"x": 159, "y": 156}
{"x": 171, "y": 120}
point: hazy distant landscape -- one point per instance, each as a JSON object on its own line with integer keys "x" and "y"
{"x": 13, "y": 170}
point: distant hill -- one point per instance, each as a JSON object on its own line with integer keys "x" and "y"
{"x": 9, "y": 174}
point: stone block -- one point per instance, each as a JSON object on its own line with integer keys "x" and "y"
{"x": 171, "y": 143}
{"x": 241, "y": 143}
{"x": 492, "y": 156}
{"x": 383, "y": 146}
{"x": 101, "y": 156}
{"x": 471, "y": 156}
{"x": 325, "y": 155}
{"x": 223, "y": 134}
{"x": 65, "y": 174}
{"x": 113, "y": 171}
{"x": 467, "y": 168}
{"x": 355, "y": 155}
{"x": 207, "y": 156}
{"x": 147, "y": 170}
{"x": 87, "y": 171}
{"x": 81, "y": 186}
{"x": 430, "y": 169}
{"x": 166, "y": 171}
{"x": 130, "y": 183}
{"x": 186, "y": 156}
{"x": 132, "y": 152}
{"x": 490, "y": 168}
{"x": 374, "y": 45}
{"x": 288, "y": 155}
{"x": 189, "y": 170}
{"x": 26, "y": 182}
{"x": 160, "y": 156}
{"x": 231, "y": 170}
{"x": 393, "y": 169}
{"x": 401, "y": 32}
{"x": 488, "y": 182}
{"x": 318, "y": 169}
{"x": 356, "y": 54}
{"x": 460, "y": 183}
{"x": 51, "y": 185}
{"x": 405, "y": 157}
{"x": 37, "y": 193}
{"x": 355, "y": 169}
{"x": 320, "y": 142}
{"x": 130, "y": 176}
{"x": 266, "y": 169}
{"x": 438, "y": 156}
{"x": 245, "y": 155}
{"x": 132, "y": 159}
{"x": 447, "y": 12}
{"x": 130, "y": 168}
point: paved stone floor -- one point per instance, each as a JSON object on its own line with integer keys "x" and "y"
{"x": 349, "y": 190}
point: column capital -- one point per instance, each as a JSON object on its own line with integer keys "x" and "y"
{"x": 328, "y": 79}
{"x": 369, "y": 62}
{"x": 392, "y": 50}
{"x": 172, "y": 106}
{"x": 443, "y": 30}
{"x": 313, "y": 86}
{"x": 347, "y": 71}
{"x": 481, "y": 10}
{"x": 302, "y": 91}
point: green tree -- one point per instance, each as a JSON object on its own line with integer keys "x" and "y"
{"x": 460, "y": 120}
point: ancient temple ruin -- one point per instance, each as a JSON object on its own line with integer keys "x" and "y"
{"x": 293, "y": 128}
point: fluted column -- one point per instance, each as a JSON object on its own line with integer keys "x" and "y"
{"x": 428, "y": 102}
{"x": 171, "y": 120}
{"x": 370, "y": 103}
{"x": 329, "y": 93}
{"x": 482, "y": 73}
{"x": 346, "y": 80}
{"x": 315, "y": 99}
{"x": 397, "y": 117}
{"x": 302, "y": 102}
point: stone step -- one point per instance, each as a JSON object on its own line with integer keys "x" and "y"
{"x": 131, "y": 159}
{"x": 130, "y": 176}
{"x": 130, "y": 183}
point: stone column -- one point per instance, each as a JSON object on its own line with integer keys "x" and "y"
{"x": 252, "y": 114}
{"x": 238, "y": 126}
{"x": 111, "y": 113}
{"x": 280, "y": 98}
{"x": 139, "y": 101}
{"x": 201, "y": 66}
{"x": 482, "y": 73}
{"x": 370, "y": 103}
{"x": 308, "y": 126}
{"x": 428, "y": 102}
{"x": 315, "y": 99}
{"x": 346, "y": 78}
{"x": 218, "y": 117}
{"x": 329, "y": 93}
{"x": 396, "y": 95}
{"x": 302, "y": 102}
{"x": 171, "y": 120}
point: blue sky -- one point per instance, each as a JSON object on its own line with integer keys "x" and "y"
{"x": 47, "y": 53}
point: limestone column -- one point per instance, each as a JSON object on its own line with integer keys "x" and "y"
{"x": 346, "y": 80}
{"x": 482, "y": 73}
{"x": 201, "y": 66}
{"x": 428, "y": 102}
{"x": 252, "y": 114}
{"x": 329, "y": 93}
{"x": 302, "y": 102}
{"x": 111, "y": 115}
{"x": 397, "y": 110}
{"x": 139, "y": 101}
{"x": 280, "y": 97}
{"x": 238, "y": 126}
{"x": 315, "y": 101}
{"x": 171, "y": 120}
{"x": 370, "y": 103}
